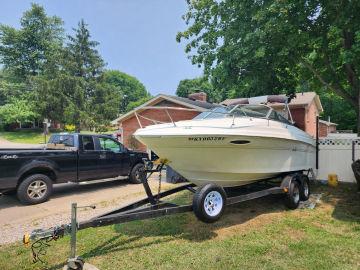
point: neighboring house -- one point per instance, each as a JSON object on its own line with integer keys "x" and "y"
{"x": 140, "y": 117}
{"x": 326, "y": 128}
{"x": 304, "y": 110}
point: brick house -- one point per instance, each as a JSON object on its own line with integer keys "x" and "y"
{"x": 304, "y": 109}
{"x": 140, "y": 117}
{"x": 326, "y": 127}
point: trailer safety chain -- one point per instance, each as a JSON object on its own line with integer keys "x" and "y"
{"x": 159, "y": 187}
{"x": 38, "y": 248}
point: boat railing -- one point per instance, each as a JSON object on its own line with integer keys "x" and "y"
{"x": 231, "y": 112}
{"x": 166, "y": 109}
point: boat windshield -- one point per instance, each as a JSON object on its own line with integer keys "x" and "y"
{"x": 256, "y": 111}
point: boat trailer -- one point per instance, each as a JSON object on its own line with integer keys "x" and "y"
{"x": 208, "y": 205}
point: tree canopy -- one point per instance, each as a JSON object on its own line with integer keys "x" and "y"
{"x": 64, "y": 75}
{"x": 202, "y": 84}
{"x": 131, "y": 90}
{"x": 255, "y": 47}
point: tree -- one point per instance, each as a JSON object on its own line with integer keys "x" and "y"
{"x": 256, "y": 47}
{"x": 202, "y": 84}
{"x": 10, "y": 87}
{"x": 18, "y": 110}
{"x": 130, "y": 88}
{"x": 84, "y": 63}
{"x": 27, "y": 51}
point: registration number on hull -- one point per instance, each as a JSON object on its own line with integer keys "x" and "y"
{"x": 202, "y": 139}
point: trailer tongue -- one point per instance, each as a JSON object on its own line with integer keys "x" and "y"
{"x": 208, "y": 205}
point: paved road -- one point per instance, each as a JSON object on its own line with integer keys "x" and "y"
{"x": 6, "y": 144}
{"x": 16, "y": 219}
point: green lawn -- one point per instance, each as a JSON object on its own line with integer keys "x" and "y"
{"x": 28, "y": 136}
{"x": 254, "y": 235}
{"x": 24, "y": 136}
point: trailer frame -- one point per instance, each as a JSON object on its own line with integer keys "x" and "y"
{"x": 151, "y": 207}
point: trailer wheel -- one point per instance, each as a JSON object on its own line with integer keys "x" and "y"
{"x": 137, "y": 174}
{"x": 209, "y": 203}
{"x": 304, "y": 188}
{"x": 35, "y": 189}
{"x": 292, "y": 198}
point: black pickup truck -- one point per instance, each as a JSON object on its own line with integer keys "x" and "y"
{"x": 67, "y": 158}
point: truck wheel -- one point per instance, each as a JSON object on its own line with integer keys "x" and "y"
{"x": 35, "y": 189}
{"x": 292, "y": 198}
{"x": 137, "y": 174}
{"x": 304, "y": 188}
{"x": 209, "y": 203}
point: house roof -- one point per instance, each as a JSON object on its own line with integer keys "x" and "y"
{"x": 189, "y": 103}
{"x": 302, "y": 99}
{"x": 327, "y": 123}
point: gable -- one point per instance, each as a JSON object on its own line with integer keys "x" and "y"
{"x": 163, "y": 101}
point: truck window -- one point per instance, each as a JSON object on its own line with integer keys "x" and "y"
{"x": 108, "y": 144}
{"x": 87, "y": 143}
{"x": 67, "y": 140}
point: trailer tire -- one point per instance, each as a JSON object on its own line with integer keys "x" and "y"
{"x": 304, "y": 188}
{"x": 292, "y": 197}
{"x": 35, "y": 189}
{"x": 209, "y": 203}
{"x": 137, "y": 174}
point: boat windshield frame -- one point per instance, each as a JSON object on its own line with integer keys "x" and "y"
{"x": 278, "y": 118}
{"x": 238, "y": 108}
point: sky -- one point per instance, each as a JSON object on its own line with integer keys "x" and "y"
{"x": 135, "y": 36}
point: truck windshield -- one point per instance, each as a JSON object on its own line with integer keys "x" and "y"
{"x": 67, "y": 140}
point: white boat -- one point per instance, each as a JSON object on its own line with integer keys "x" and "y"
{"x": 231, "y": 146}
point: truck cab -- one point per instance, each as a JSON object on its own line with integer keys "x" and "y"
{"x": 67, "y": 158}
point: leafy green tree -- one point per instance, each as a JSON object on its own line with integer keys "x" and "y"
{"x": 28, "y": 51}
{"x": 202, "y": 84}
{"x": 17, "y": 111}
{"x": 131, "y": 90}
{"x": 10, "y": 87}
{"x": 257, "y": 47}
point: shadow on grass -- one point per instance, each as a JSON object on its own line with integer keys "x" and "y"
{"x": 346, "y": 201}
{"x": 140, "y": 234}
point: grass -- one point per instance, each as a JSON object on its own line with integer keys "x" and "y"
{"x": 260, "y": 234}
{"x": 24, "y": 137}
{"x": 28, "y": 136}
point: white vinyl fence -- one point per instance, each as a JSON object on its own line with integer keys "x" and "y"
{"x": 335, "y": 157}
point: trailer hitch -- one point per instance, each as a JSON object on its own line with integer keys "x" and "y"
{"x": 40, "y": 239}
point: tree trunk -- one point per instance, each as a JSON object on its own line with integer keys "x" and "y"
{"x": 77, "y": 121}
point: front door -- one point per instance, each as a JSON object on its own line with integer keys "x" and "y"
{"x": 88, "y": 158}
{"x": 116, "y": 161}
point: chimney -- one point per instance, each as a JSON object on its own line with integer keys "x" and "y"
{"x": 201, "y": 96}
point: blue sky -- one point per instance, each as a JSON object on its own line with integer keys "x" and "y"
{"x": 136, "y": 36}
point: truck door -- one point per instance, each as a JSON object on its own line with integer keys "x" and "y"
{"x": 116, "y": 161}
{"x": 88, "y": 158}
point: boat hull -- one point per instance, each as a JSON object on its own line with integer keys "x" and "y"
{"x": 231, "y": 160}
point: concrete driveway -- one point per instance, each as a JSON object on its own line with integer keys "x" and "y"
{"x": 17, "y": 219}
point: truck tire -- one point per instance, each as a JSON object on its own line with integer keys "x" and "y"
{"x": 35, "y": 189}
{"x": 209, "y": 203}
{"x": 137, "y": 174}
